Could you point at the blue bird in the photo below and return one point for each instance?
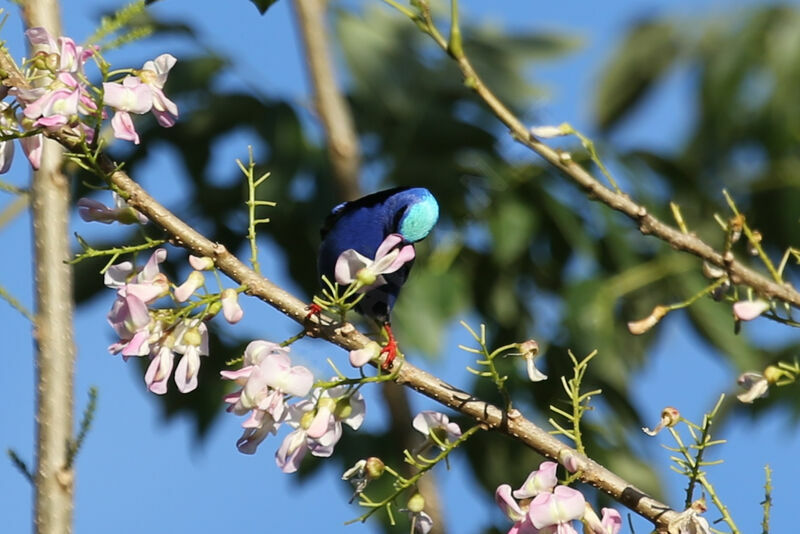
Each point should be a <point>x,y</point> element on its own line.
<point>362,225</point>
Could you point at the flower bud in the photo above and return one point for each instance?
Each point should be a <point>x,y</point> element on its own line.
<point>773,374</point>
<point>548,132</point>
<point>416,503</point>
<point>231,309</point>
<point>192,284</point>
<point>360,357</point>
<point>570,461</point>
<point>747,310</point>
<point>374,468</point>
<point>201,263</point>
<point>643,325</point>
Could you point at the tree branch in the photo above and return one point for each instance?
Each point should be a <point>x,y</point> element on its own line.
<point>55,347</point>
<point>648,224</point>
<point>349,338</point>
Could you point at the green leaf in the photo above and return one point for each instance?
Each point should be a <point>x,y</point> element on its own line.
<point>511,229</point>
<point>263,5</point>
<point>643,57</point>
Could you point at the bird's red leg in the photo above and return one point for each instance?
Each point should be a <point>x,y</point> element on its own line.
<point>390,349</point>
<point>313,309</point>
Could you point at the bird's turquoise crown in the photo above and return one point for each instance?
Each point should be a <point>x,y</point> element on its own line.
<point>420,218</point>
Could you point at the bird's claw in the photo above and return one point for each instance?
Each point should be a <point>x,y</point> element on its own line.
<point>390,350</point>
<point>313,309</point>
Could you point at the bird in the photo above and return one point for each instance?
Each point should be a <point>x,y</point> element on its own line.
<point>362,225</point>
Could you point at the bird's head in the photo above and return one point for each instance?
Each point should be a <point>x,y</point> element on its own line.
<point>419,216</point>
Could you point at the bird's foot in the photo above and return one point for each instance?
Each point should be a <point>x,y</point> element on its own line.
<point>313,309</point>
<point>390,349</point>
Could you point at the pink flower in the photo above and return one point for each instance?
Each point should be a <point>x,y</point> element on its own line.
<point>515,512</point>
<point>93,210</point>
<point>131,95</point>
<point>160,369</point>
<point>541,481</point>
<point>130,320</point>
<point>148,284</point>
<point>611,523</point>
<point>192,342</point>
<point>203,263</point>
<point>129,316</point>
<point>747,310</point>
<point>139,94</point>
<point>266,379</point>
<point>557,509</point>
<point>352,266</point>
<point>361,357</point>
<point>154,74</point>
<point>318,425</point>
<point>54,108</point>
<point>193,282</point>
<point>122,125</point>
<point>298,442</point>
<point>231,309</point>
<point>71,57</point>
<point>436,427</point>
<point>32,146</point>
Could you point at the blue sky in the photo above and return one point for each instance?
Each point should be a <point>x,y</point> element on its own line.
<point>137,473</point>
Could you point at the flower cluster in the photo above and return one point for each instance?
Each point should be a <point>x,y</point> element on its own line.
<point>64,97</point>
<point>140,93</point>
<point>541,505</point>
<point>159,332</point>
<point>268,383</point>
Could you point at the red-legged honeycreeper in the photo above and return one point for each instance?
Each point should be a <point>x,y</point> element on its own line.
<point>362,225</point>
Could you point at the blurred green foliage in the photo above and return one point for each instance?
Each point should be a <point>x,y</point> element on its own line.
<point>516,245</point>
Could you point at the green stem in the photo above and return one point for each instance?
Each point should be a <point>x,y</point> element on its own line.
<point>17,305</point>
<point>403,484</point>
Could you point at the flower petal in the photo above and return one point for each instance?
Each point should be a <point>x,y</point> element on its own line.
<point>347,266</point>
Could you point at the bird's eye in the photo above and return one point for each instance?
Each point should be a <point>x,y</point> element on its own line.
<point>398,218</point>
